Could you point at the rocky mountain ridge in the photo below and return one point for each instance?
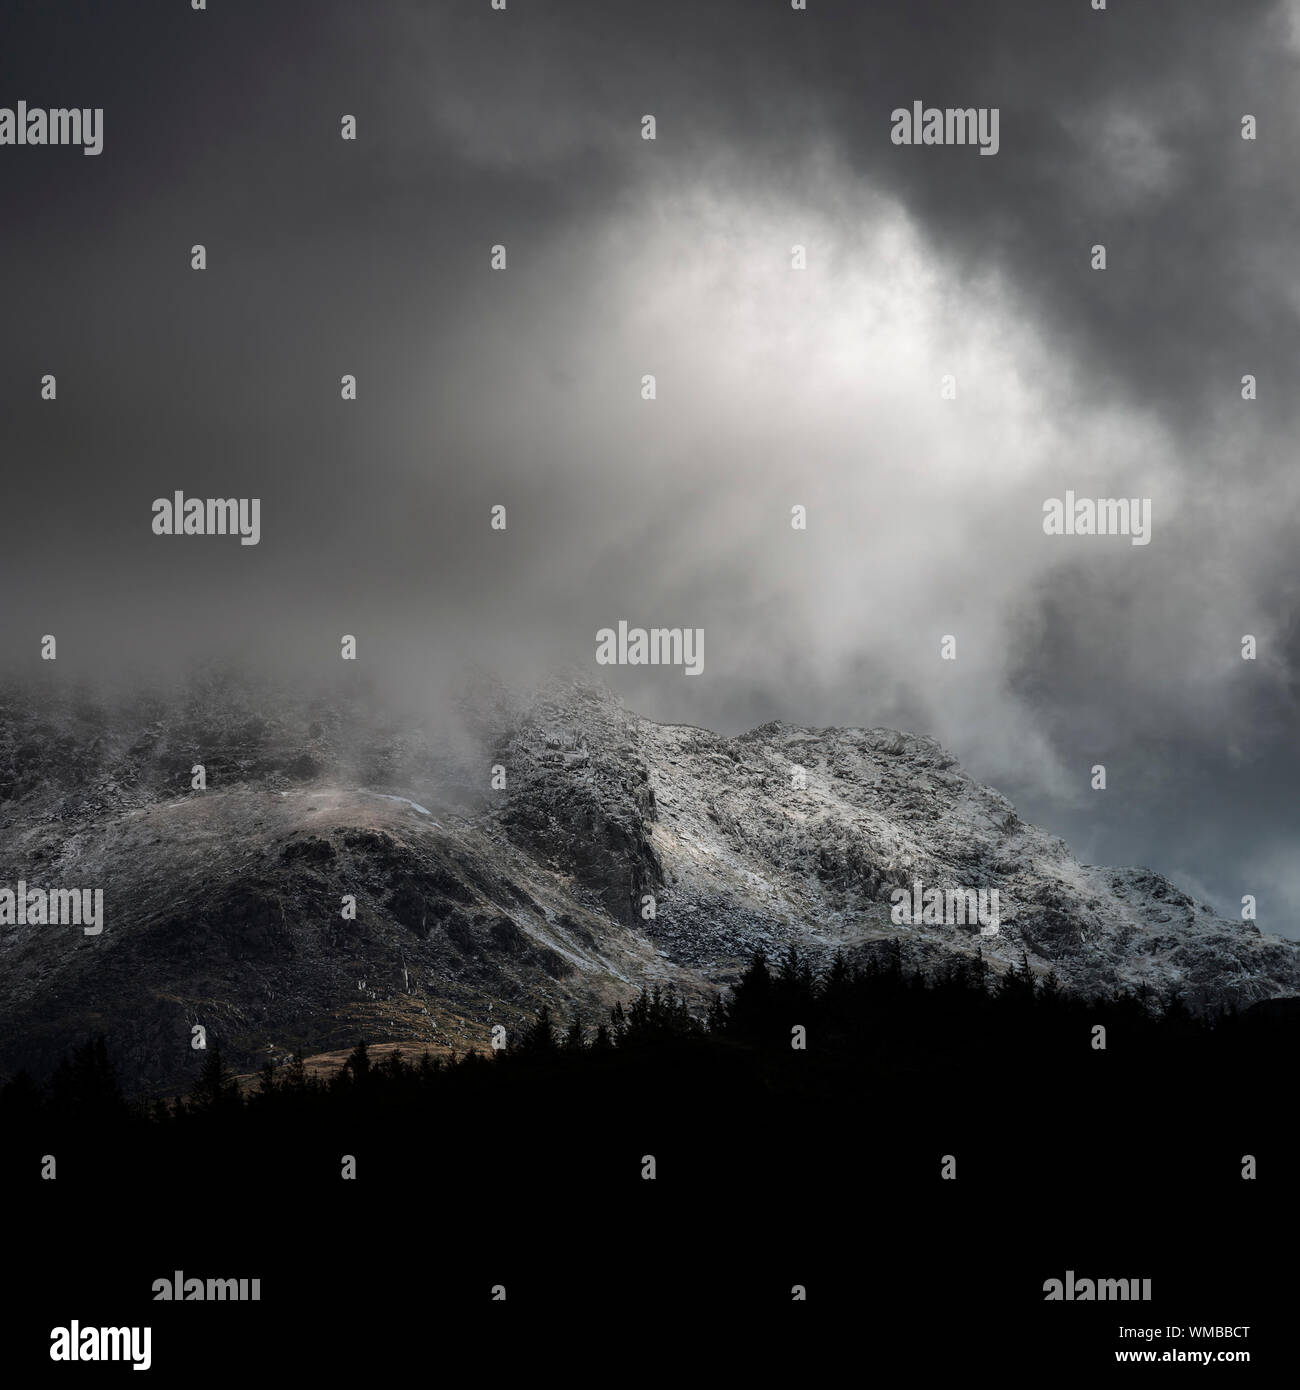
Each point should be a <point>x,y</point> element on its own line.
<point>516,850</point>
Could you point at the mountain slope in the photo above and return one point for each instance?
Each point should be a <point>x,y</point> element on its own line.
<point>474,905</point>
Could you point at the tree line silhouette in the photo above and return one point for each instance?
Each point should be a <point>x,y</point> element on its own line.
<point>793,1027</point>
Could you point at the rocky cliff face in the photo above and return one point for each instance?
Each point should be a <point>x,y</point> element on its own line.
<point>618,852</point>
<point>794,836</point>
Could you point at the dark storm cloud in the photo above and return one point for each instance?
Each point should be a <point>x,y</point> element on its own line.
<point>522,128</point>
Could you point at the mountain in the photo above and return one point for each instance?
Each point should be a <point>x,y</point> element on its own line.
<point>476,903</point>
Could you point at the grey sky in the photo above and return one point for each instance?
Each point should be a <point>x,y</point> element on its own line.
<point>775,387</point>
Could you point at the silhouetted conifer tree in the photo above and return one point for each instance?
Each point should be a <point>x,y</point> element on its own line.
<point>216,1087</point>
<point>358,1064</point>
<point>295,1073</point>
<point>539,1036</point>
<point>617,1022</point>
<point>750,1009</point>
<point>717,1015</point>
<point>1017,983</point>
<point>1049,990</point>
<point>794,975</point>
<point>838,980</point>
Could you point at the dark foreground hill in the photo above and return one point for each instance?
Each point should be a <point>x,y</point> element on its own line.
<point>935,1151</point>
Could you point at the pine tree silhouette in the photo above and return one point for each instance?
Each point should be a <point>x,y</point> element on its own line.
<point>216,1087</point>
<point>717,1015</point>
<point>750,1010</point>
<point>838,980</point>
<point>295,1073</point>
<point>539,1037</point>
<point>794,976</point>
<point>357,1067</point>
<point>1017,984</point>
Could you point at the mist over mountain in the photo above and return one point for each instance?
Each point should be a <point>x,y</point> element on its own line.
<point>649,663</point>
<point>518,847</point>
<point>818,387</point>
